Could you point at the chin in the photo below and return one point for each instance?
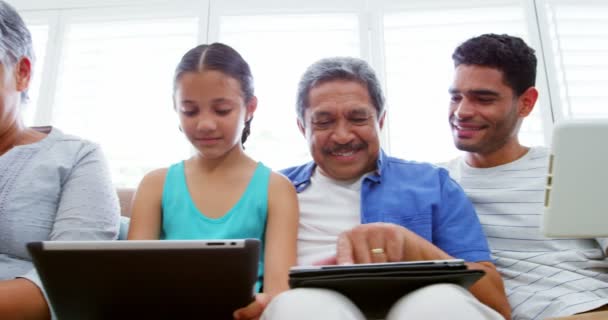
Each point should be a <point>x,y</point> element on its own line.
<point>465,147</point>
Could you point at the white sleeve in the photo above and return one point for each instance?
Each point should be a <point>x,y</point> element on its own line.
<point>88,208</point>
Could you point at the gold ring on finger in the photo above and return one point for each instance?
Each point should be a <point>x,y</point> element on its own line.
<point>377,250</point>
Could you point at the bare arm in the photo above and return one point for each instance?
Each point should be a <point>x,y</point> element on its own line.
<point>401,244</point>
<point>281,234</point>
<point>147,211</point>
<point>22,299</point>
<point>280,250</point>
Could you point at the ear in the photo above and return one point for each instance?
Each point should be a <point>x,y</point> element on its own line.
<point>301,127</point>
<point>381,119</point>
<point>252,105</point>
<point>526,102</point>
<point>23,73</point>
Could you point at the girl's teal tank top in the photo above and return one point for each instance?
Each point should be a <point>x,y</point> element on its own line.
<point>181,220</point>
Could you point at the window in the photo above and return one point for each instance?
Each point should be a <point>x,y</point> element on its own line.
<point>279,48</point>
<point>578,42</point>
<point>418,47</point>
<point>108,65</point>
<point>39,38</point>
<point>115,88</point>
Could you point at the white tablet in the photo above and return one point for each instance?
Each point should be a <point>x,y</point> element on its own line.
<point>576,198</point>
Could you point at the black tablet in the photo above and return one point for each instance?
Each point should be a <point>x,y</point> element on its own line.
<point>375,287</point>
<point>306,271</point>
<point>158,279</point>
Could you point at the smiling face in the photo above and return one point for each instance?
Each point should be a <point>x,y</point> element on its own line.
<point>484,114</point>
<point>342,129</point>
<point>212,111</point>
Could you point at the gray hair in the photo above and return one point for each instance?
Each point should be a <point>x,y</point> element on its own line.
<point>339,68</point>
<point>15,39</point>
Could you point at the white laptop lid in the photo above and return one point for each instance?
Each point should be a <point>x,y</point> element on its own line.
<point>576,197</point>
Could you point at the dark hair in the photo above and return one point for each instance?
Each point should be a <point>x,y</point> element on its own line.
<point>219,57</point>
<point>509,54</point>
<point>15,39</point>
<point>339,68</point>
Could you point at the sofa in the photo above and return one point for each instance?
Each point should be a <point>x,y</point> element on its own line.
<point>125,197</point>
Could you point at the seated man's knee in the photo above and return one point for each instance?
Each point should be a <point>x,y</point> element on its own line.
<point>438,300</point>
<point>440,291</point>
<point>311,303</point>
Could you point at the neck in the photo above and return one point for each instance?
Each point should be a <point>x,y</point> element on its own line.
<point>235,157</point>
<point>504,155</point>
<point>10,136</point>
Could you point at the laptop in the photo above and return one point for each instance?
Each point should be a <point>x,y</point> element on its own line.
<point>151,279</point>
<point>576,195</point>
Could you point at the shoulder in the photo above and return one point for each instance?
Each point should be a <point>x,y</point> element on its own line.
<point>57,137</point>
<point>59,145</point>
<point>279,182</point>
<point>454,167</point>
<point>155,177</point>
<point>452,164</point>
<point>401,168</point>
<point>539,153</point>
<point>402,164</point>
<point>281,194</point>
<point>152,185</point>
<point>301,172</point>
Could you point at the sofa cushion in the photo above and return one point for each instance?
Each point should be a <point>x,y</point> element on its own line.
<point>125,196</point>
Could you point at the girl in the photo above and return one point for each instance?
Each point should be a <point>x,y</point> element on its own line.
<point>220,192</point>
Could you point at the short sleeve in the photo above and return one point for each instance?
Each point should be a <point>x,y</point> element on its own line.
<point>457,230</point>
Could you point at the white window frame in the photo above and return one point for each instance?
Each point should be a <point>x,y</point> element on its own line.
<point>58,14</point>
<point>546,104</point>
<point>35,11</point>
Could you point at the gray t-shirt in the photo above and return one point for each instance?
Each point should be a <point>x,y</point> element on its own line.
<point>56,189</point>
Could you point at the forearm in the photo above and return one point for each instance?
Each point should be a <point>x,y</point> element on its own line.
<point>490,289</point>
<point>22,299</point>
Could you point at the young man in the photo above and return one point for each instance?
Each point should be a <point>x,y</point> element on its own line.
<point>359,206</point>
<point>492,92</point>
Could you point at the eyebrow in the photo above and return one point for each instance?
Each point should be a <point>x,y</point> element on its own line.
<point>217,101</point>
<point>477,92</point>
<point>186,101</point>
<point>360,112</point>
<point>320,114</point>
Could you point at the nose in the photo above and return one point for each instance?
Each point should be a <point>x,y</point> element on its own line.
<point>464,109</point>
<point>342,133</point>
<point>206,124</point>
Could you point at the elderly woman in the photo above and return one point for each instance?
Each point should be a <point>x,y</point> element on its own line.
<point>52,186</point>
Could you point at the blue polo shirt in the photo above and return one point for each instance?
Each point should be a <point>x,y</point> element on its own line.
<point>420,197</point>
